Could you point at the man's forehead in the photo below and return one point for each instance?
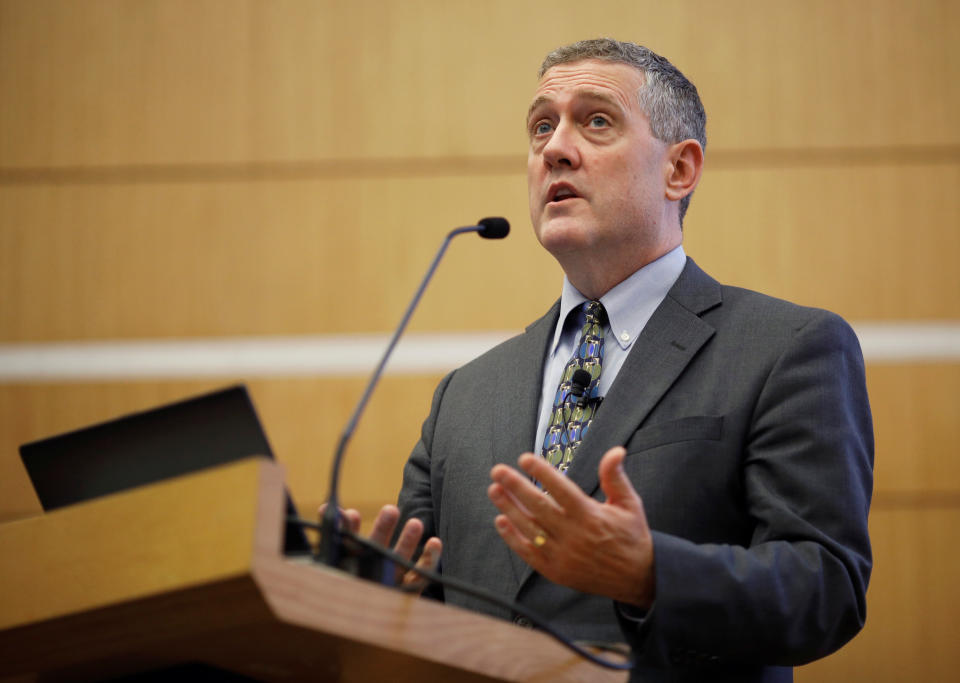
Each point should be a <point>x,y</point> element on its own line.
<point>590,79</point>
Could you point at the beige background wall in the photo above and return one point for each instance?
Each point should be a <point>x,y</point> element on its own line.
<point>188,169</point>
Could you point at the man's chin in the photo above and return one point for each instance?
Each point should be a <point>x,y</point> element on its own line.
<point>561,235</point>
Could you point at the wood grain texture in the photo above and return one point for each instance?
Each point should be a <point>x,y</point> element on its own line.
<point>916,418</point>
<point>372,615</point>
<point>912,604</point>
<point>259,258</point>
<point>111,82</point>
<point>86,556</point>
<point>326,256</point>
<point>835,237</point>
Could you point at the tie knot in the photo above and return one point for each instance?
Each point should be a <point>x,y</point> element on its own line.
<point>595,312</point>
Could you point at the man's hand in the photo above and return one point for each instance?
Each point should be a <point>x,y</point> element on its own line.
<point>601,548</point>
<point>383,527</point>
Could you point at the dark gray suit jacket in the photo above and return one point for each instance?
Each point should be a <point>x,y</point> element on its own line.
<point>750,441</point>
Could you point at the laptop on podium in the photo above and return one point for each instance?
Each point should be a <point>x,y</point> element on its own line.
<point>150,446</point>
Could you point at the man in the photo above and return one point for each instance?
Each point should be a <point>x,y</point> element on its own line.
<point>712,510</point>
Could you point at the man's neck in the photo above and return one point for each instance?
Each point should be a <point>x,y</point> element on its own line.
<point>597,276</point>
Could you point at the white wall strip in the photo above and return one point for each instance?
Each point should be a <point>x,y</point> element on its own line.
<point>240,357</point>
<point>356,355</point>
<point>909,341</point>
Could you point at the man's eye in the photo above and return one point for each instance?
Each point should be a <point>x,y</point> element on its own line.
<point>542,128</point>
<point>598,122</point>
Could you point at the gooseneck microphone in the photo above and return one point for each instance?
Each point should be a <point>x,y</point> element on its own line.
<point>333,549</point>
<point>490,229</point>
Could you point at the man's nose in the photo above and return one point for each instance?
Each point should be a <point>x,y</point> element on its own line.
<point>562,149</point>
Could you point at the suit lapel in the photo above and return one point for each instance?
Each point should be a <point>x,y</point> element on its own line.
<point>517,409</point>
<point>522,376</point>
<point>669,341</point>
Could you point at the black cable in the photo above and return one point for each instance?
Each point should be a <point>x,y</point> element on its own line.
<point>482,594</point>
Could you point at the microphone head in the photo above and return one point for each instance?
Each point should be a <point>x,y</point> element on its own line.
<point>581,379</point>
<point>494,228</point>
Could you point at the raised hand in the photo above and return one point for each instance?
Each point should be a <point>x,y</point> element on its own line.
<point>602,548</point>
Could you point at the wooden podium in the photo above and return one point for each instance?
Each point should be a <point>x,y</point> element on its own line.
<point>189,572</point>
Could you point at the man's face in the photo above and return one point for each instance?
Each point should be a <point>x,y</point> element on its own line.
<point>595,173</point>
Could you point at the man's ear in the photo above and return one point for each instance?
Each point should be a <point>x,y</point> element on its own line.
<point>686,165</point>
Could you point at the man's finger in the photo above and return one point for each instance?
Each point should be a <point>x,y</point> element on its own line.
<point>349,519</point>
<point>614,481</point>
<point>565,494</point>
<point>384,524</point>
<point>409,538</point>
<point>429,559</point>
<point>526,523</point>
<point>515,540</point>
<point>524,492</point>
<point>517,487</point>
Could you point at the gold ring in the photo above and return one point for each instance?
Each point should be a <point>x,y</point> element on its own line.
<point>540,539</point>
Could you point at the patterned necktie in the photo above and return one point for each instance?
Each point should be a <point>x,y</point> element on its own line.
<point>571,417</point>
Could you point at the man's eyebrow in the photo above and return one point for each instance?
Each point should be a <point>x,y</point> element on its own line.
<point>542,99</point>
<point>597,95</point>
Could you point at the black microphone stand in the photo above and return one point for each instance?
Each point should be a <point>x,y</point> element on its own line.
<point>339,547</point>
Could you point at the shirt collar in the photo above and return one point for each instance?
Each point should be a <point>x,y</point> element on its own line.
<point>630,304</point>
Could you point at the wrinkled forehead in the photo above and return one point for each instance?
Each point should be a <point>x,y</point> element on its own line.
<point>615,82</point>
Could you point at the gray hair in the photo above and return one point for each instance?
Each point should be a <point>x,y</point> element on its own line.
<point>669,100</point>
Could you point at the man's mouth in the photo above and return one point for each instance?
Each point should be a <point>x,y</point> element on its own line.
<point>561,192</point>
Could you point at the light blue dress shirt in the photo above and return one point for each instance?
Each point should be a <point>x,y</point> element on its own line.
<point>629,306</point>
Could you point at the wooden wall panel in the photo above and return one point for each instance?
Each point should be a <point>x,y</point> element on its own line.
<point>871,241</point>
<point>100,261</point>
<point>173,259</point>
<point>912,604</point>
<point>916,415</point>
<point>158,82</point>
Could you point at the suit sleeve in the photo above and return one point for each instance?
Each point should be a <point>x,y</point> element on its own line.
<point>797,591</point>
<point>422,482</point>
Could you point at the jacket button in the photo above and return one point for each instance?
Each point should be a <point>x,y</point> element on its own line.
<point>522,621</point>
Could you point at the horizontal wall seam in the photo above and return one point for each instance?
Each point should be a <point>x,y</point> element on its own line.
<point>357,354</point>
<point>924,499</point>
<point>325,169</point>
